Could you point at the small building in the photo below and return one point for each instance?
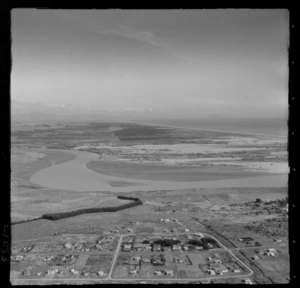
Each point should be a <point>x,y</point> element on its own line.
<point>101,273</point>
<point>156,272</point>
<point>99,247</point>
<point>211,272</point>
<point>176,248</point>
<point>218,261</point>
<point>209,258</point>
<point>17,258</point>
<point>50,272</point>
<point>68,245</point>
<point>146,260</point>
<point>255,257</point>
<point>199,235</point>
<point>137,258</point>
<point>186,230</point>
<point>236,270</point>
<point>127,247</point>
<point>73,271</point>
<point>132,272</point>
<point>138,247</point>
<point>156,247</point>
<point>169,272</point>
<point>247,281</point>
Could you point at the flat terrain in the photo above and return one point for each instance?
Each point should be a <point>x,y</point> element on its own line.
<point>224,193</point>
<point>167,173</point>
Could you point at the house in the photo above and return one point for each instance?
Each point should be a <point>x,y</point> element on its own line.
<point>176,248</point>
<point>99,247</point>
<point>169,272</point>
<point>255,257</point>
<point>210,246</point>
<point>73,271</point>
<point>127,247</point>
<point>137,258</point>
<point>209,258</point>
<point>211,272</point>
<point>68,245</point>
<point>247,281</point>
<point>272,250</point>
<point>220,268</point>
<point>39,274</point>
<point>185,248</point>
<point>147,247</point>
<point>146,260</point>
<point>101,273</point>
<point>186,230</point>
<point>17,258</point>
<point>133,272</point>
<point>157,272</point>
<point>50,272</point>
<point>158,261</point>
<point>199,235</point>
<point>156,247</point>
<point>235,270</point>
<point>138,247</point>
<point>218,261</point>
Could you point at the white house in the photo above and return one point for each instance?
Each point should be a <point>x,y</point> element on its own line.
<point>211,272</point>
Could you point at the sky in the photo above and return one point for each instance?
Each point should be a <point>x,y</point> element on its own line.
<point>152,63</point>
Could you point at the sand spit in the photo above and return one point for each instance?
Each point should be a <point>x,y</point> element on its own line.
<point>75,176</point>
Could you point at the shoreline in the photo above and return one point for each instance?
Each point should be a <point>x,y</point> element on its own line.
<point>213,130</point>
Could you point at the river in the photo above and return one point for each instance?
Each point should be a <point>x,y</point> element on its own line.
<point>75,176</point>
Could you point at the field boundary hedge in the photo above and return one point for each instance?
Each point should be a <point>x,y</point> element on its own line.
<point>62,215</point>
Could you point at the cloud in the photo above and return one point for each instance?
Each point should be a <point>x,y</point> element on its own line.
<point>147,37</point>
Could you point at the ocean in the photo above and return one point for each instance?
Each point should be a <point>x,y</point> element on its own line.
<point>275,127</point>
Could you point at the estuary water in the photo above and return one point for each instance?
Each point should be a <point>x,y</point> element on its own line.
<point>75,176</point>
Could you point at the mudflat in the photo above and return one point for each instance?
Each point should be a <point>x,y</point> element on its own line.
<point>74,175</point>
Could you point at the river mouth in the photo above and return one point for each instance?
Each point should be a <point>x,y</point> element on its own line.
<point>74,175</point>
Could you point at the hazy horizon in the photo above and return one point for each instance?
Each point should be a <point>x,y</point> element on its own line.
<point>155,64</point>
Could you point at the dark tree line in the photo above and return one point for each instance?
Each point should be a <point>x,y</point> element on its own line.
<point>62,215</point>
